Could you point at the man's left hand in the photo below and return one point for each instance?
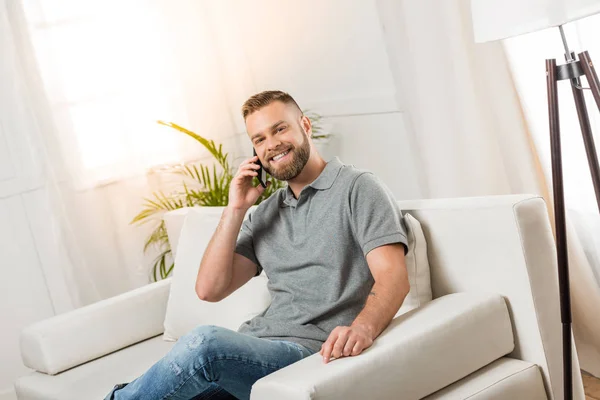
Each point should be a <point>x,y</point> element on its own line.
<point>346,341</point>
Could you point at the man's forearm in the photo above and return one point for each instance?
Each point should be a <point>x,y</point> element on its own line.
<point>214,274</point>
<point>383,302</point>
<point>388,267</point>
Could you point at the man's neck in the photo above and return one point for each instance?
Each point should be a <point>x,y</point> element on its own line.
<point>311,171</point>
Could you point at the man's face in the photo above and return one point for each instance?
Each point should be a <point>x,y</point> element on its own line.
<point>279,139</point>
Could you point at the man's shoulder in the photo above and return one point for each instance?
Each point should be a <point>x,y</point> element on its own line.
<point>350,175</point>
<point>359,181</point>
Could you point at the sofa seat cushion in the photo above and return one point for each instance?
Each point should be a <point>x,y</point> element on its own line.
<point>505,378</point>
<point>94,379</point>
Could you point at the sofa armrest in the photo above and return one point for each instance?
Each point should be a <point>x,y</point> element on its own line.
<point>73,338</point>
<point>419,353</point>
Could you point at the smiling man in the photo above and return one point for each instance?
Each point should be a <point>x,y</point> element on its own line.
<point>332,244</point>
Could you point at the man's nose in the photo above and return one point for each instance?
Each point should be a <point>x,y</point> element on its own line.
<point>273,143</point>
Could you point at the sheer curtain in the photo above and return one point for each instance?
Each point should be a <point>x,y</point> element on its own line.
<point>476,134</point>
<point>99,75</point>
<point>469,130</point>
<point>527,54</point>
<point>109,73</point>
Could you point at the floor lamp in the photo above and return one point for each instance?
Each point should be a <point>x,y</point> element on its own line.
<point>500,19</point>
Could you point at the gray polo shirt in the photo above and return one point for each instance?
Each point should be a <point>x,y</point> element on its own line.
<point>313,251</point>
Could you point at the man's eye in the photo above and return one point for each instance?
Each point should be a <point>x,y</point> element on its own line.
<point>280,129</point>
<point>258,141</point>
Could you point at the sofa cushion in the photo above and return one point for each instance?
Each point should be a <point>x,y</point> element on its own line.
<point>417,265</point>
<point>94,379</point>
<point>184,309</point>
<point>505,378</point>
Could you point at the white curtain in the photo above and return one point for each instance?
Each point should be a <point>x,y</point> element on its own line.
<point>527,56</point>
<point>468,127</point>
<point>473,134</point>
<point>98,75</point>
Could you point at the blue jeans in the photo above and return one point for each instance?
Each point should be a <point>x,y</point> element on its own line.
<point>211,362</point>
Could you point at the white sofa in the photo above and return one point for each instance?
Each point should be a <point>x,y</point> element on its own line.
<point>492,331</point>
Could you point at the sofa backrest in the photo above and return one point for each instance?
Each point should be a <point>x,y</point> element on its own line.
<point>174,223</point>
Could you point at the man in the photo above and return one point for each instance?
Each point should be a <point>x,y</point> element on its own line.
<point>332,245</point>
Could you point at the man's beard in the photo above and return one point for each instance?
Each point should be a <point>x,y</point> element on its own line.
<point>293,168</point>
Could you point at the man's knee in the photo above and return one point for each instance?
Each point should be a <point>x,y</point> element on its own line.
<point>198,348</point>
<point>194,350</point>
<point>205,340</point>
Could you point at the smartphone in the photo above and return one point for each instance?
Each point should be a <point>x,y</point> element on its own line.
<point>262,174</point>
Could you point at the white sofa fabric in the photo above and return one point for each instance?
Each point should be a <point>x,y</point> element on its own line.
<point>417,265</point>
<point>505,378</point>
<point>67,340</point>
<point>419,353</point>
<point>497,244</point>
<point>93,380</point>
<point>191,229</point>
<point>505,245</point>
<point>414,345</point>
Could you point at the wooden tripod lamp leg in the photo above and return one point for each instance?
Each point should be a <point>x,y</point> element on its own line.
<point>588,139</point>
<point>561,232</point>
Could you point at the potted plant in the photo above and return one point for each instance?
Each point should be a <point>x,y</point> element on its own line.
<point>200,186</point>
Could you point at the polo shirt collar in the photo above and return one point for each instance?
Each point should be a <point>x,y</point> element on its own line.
<point>323,182</point>
<point>327,177</point>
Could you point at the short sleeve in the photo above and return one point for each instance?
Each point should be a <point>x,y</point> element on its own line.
<point>245,243</point>
<point>375,216</point>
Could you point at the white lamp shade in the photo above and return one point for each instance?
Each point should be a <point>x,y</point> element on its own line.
<point>500,19</point>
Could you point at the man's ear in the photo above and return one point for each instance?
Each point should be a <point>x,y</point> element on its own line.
<point>306,125</point>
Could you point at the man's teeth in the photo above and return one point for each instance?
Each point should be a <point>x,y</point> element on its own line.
<point>277,157</point>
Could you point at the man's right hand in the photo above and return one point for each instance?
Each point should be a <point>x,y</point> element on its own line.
<point>242,194</point>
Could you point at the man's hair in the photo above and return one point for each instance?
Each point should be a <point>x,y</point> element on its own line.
<point>265,98</point>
